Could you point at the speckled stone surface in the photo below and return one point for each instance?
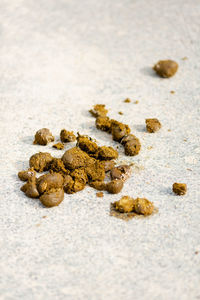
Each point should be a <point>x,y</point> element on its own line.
<point>57,59</point>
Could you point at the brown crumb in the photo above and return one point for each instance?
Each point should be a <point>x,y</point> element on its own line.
<point>150,147</point>
<point>43,137</point>
<point>179,188</point>
<point>196,252</point>
<point>185,140</point>
<point>58,146</point>
<point>98,110</point>
<point>37,225</point>
<point>184,58</point>
<point>40,161</point>
<point>153,125</point>
<point>44,217</point>
<point>136,102</point>
<point>169,130</point>
<point>166,68</point>
<point>100,194</point>
<point>120,113</point>
<point>127,100</point>
<point>189,169</point>
<point>172,92</point>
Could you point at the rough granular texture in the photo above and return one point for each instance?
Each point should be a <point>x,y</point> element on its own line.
<point>67,136</point>
<point>80,179</point>
<point>30,188</point>
<point>74,158</point>
<point>103,123</point>
<point>125,204</point>
<point>100,194</point>
<point>86,144</point>
<point>128,138</point>
<point>132,147</point>
<point>43,137</point>
<point>98,185</point>
<point>107,153</point>
<point>140,206</point>
<point>166,68</point>
<point>143,206</point>
<point>153,125</point>
<point>95,169</point>
<point>179,188</point>
<point>25,175</point>
<point>58,146</point>
<point>52,197</point>
<point>127,100</point>
<point>98,110</point>
<point>114,186</point>
<point>122,172</point>
<point>40,161</point>
<point>48,181</point>
<point>68,184</point>
<point>58,166</point>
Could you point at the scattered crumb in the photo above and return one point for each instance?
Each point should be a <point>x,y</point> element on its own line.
<point>127,100</point>
<point>150,147</point>
<point>120,113</point>
<point>169,130</point>
<point>100,194</point>
<point>185,140</point>
<point>184,58</point>
<point>58,146</point>
<point>196,252</point>
<point>166,68</point>
<point>153,125</point>
<point>172,92</point>
<point>189,169</point>
<point>179,188</point>
<point>44,217</point>
<point>37,225</point>
<point>136,102</point>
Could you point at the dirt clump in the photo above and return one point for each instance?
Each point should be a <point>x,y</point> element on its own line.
<point>153,125</point>
<point>103,123</point>
<point>52,197</point>
<point>108,165</point>
<point>125,204</point>
<point>40,161</point>
<point>115,186</point>
<point>179,188</point>
<point>100,194</point>
<point>67,136</point>
<point>86,144</point>
<point>122,172</point>
<point>74,158</point>
<point>132,147</point>
<point>43,137</point>
<point>58,166</point>
<point>127,100</point>
<point>107,153</point>
<point>140,206</point>
<point>166,68</point>
<point>98,185</point>
<point>30,188</point>
<point>25,175</point>
<point>49,181</point>
<point>98,110</point>
<point>58,146</point>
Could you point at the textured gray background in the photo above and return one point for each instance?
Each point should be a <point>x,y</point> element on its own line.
<point>57,59</point>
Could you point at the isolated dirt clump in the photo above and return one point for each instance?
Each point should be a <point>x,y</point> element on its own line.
<point>67,136</point>
<point>153,125</point>
<point>25,175</point>
<point>58,146</point>
<point>140,206</point>
<point>98,110</point>
<point>43,137</point>
<point>179,188</point>
<point>166,68</point>
<point>40,161</point>
<point>100,194</point>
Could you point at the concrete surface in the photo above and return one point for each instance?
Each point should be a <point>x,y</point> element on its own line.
<point>57,59</point>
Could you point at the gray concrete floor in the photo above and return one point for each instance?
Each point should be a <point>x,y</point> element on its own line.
<point>57,59</point>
